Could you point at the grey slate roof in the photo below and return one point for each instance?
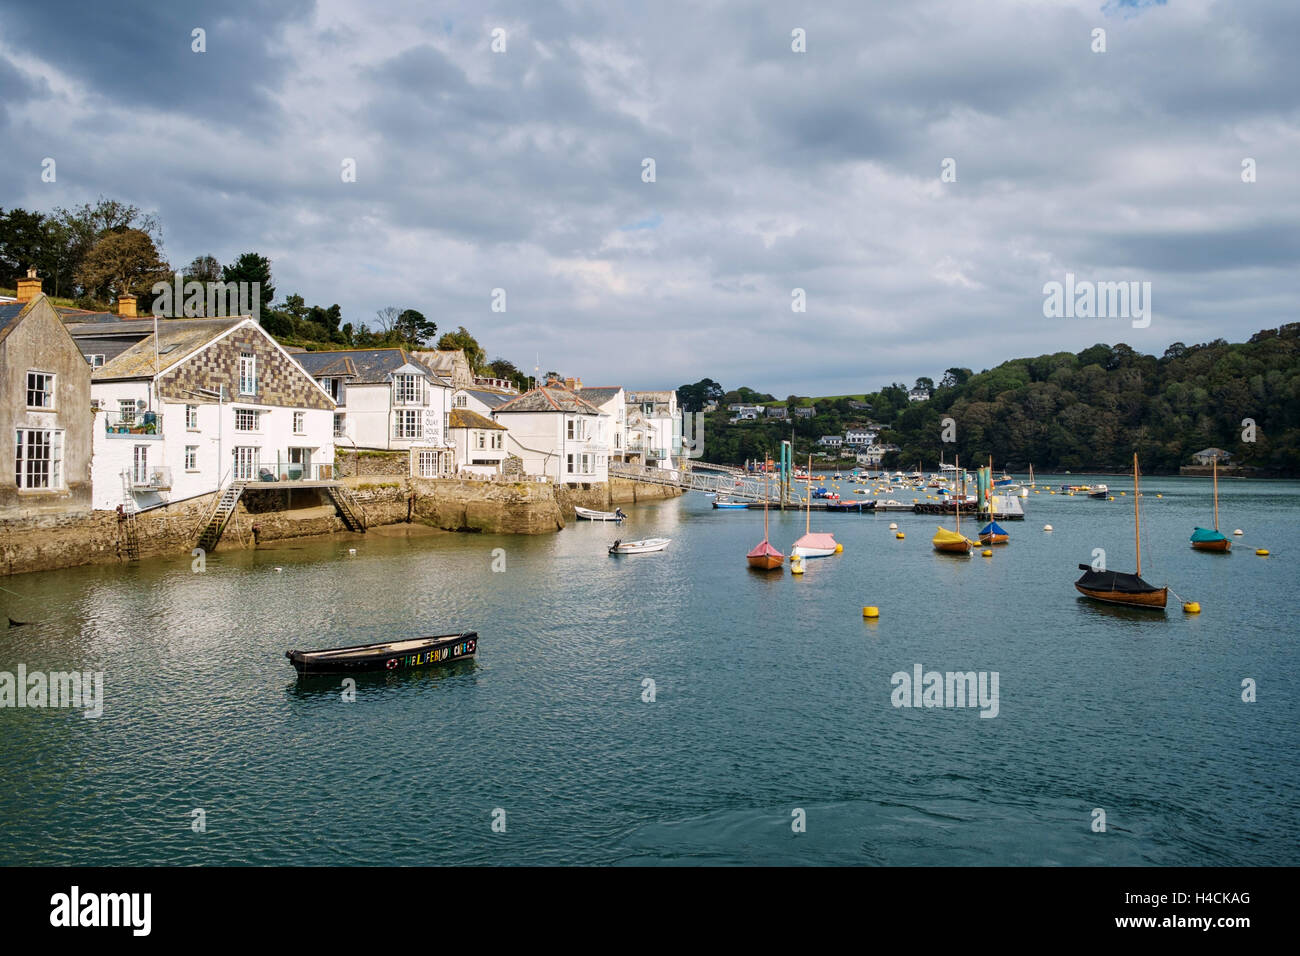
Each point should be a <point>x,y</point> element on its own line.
<point>8,312</point>
<point>490,399</point>
<point>598,394</point>
<point>362,366</point>
<point>549,398</point>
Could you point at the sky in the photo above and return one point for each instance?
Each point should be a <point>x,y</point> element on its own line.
<point>775,169</point>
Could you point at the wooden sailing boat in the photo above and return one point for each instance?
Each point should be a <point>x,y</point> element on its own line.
<point>1116,587</point>
<point>765,557</point>
<point>813,545</point>
<point>1203,539</point>
<point>953,542</point>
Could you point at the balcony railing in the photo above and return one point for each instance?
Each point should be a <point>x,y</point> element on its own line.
<point>152,479</point>
<point>135,426</point>
<point>286,470</point>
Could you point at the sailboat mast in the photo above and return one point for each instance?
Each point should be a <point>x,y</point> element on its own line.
<point>962,490</point>
<point>767,482</point>
<point>1137,516</point>
<point>807,522</point>
<point>1215,459</point>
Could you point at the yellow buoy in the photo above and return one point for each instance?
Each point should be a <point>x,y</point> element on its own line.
<point>1192,607</point>
<point>987,554</point>
<point>796,564</point>
<point>1159,496</point>
<point>1262,552</point>
<point>899,536</point>
<point>839,548</point>
<point>1111,498</point>
<point>871,611</point>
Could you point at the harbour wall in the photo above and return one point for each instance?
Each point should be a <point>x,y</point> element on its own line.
<point>263,515</point>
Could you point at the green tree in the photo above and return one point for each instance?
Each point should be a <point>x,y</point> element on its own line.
<point>250,267</point>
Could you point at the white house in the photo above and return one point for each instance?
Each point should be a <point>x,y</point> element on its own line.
<point>480,443</point>
<point>860,436</point>
<point>612,401</point>
<point>831,441</point>
<point>662,438</point>
<point>202,403</point>
<point>558,434</point>
<point>387,400</point>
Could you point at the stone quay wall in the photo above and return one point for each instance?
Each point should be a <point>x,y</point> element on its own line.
<point>265,514</point>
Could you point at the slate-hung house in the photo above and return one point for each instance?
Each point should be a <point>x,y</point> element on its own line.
<point>389,401</point>
<point>202,403</point>
<point>45,423</point>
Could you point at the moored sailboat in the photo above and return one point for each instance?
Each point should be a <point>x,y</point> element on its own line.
<point>1117,587</point>
<point>812,545</point>
<point>1206,539</point>
<point>953,542</point>
<point>764,556</point>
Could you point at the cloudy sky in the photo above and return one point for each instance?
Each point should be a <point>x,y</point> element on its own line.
<point>774,169</point>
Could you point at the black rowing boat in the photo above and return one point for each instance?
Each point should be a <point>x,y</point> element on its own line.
<point>386,655</point>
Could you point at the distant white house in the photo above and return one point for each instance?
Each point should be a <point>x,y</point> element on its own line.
<point>918,394</point>
<point>387,400</point>
<point>831,441</point>
<point>860,436</point>
<point>204,403</point>
<point>1208,456</point>
<point>804,411</point>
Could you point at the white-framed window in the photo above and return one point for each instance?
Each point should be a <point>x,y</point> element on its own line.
<point>586,464</point>
<point>569,463</point>
<point>570,429</point>
<point>192,417</point>
<point>299,422</point>
<point>245,462</point>
<point>481,438</point>
<point>408,389</point>
<point>462,401</point>
<point>40,390</point>
<point>428,462</point>
<point>496,440</point>
<point>340,426</point>
<point>191,457</point>
<point>247,373</point>
<point>407,423</point>
<point>126,410</point>
<point>246,419</point>
<point>96,360</point>
<point>335,388</point>
<point>38,459</point>
<point>140,465</point>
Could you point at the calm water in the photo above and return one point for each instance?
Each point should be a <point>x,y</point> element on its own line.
<point>772,693</point>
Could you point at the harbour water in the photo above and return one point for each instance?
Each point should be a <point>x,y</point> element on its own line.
<point>771,694</point>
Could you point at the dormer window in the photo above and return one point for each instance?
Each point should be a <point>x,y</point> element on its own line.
<point>408,389</point>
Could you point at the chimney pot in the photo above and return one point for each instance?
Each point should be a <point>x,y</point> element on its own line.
<point>29,287</point>
<point>126,305</point>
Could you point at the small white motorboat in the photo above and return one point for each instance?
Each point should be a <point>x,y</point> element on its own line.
<point>643,546</point>
<point>588,514</point>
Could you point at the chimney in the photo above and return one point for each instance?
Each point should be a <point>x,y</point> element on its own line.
<point>573,384</point>
<point>126,305</point>
<point>552,380</point>
<point>30,287</point>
